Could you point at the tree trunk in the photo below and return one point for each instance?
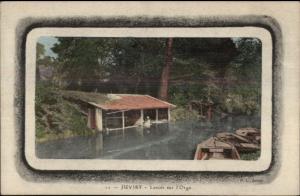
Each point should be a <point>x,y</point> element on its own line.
<point>137,84</point>
<point>209,113</point>
<point>163,94</point>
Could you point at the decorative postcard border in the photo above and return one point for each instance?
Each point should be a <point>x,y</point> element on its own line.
<point>34,174</point>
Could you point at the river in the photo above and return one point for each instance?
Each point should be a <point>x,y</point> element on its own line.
<point>173,141</point>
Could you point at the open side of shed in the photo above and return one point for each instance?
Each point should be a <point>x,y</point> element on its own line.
<point>121,111</point>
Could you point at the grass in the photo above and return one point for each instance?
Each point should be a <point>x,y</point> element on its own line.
<point>250,156</point>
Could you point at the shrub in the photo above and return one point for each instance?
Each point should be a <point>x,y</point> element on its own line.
<point>250,156</point>
<point>55,117</point>
<point>181,113</point>
<point>40,130</point>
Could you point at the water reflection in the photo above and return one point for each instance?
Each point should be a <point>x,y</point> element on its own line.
<point>162,141</point>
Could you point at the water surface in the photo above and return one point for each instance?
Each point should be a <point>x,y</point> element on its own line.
<point>165,141</point>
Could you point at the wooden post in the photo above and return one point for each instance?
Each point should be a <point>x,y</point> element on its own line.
<point>169,114</point>
<point>156,115</point>
<point>89,118</point>
<point>98,119</point>
<point>123,120</point>
<point>142,117</point>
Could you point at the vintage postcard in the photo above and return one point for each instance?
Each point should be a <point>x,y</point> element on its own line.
<point>149,102</point>
<point>149,94</point>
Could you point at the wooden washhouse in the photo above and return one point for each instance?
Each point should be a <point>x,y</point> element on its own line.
<point>120,111</point>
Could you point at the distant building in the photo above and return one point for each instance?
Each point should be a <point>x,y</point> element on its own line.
<point>120,111</point>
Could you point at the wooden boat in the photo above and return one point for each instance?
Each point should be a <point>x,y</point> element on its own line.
<point>242,144</point>
<point>213,148</point>
<point>250,133</point>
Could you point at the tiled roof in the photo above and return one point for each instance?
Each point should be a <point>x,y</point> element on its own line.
<point>127,102</point>
<point>119,101</point>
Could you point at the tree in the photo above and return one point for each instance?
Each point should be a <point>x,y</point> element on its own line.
<point>247,64</point>
<point>179,70</point>
<point>199,67</point>
<point>115,65</point>
<point>166,71</point>
<point>138,64</point>
<point>40,53</point>
<point>245,70</point>
<point>81,61</point>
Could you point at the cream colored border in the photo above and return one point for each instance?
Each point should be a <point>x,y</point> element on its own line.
<point>282,179</point>
<point>179,165</point>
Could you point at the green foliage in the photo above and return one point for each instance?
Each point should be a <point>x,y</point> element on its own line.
<point>40,129</point>
<point>181,113</point>
<point>80,57</point>
<point>241,100</point>
<point>46,93</point>
<point>56,117</point>
<point>244,93</point>
<point>218,70</point>
<point>178,98</point>
<point>234,103</point>
<point>221,71</point>
<point>124,63</point>
<point>75,121</point>
<point>250,156</point>
<point>247,64</point>
<point>216,52</point>
<point>233,87</point>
